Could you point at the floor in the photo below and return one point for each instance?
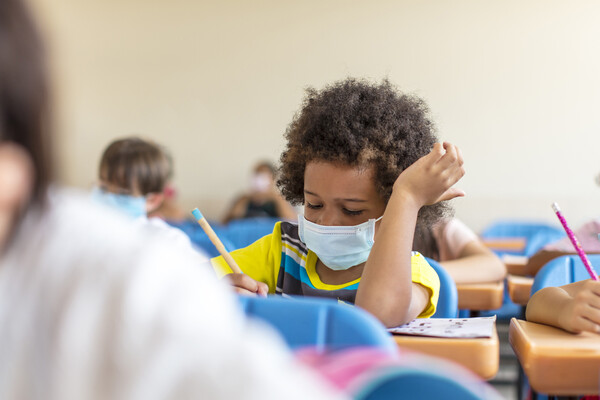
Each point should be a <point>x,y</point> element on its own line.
<point>508,373</point>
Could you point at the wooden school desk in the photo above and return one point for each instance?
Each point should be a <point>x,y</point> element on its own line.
<point>555,361</point>
<point>519,288</point>
<point>480,355</point>
<point>480,296</point>
<point>514,244</point>
<point>515,265</point>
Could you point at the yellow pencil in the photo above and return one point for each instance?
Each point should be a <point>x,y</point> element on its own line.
<point>216,241</point>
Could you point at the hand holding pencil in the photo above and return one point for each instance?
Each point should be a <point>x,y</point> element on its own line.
<point>243,283</point>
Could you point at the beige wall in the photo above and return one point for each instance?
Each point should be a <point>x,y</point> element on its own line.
<point>516,84</point>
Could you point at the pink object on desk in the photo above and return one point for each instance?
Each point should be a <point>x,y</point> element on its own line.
<point>571,235</point>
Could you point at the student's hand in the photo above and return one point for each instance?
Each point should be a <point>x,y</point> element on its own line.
<point>582,313</point>
<point>430,179</point>
<point>245,285</point>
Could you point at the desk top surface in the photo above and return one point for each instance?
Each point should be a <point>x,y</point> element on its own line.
<point>557,362</point>
<point>480,355</point>
<point>480,296</point>
<point>519,288</point>
<point>516,244</point>
<point>515,265</point>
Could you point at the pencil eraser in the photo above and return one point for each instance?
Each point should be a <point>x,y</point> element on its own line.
<point>197,214</point>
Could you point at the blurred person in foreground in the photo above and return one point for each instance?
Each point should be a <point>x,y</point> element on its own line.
<point>88,309</point>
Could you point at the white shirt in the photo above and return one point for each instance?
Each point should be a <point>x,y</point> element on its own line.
<point>91,310</point>
<point>173,236</point>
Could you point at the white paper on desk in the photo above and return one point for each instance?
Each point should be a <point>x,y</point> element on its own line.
<point>480,327</point>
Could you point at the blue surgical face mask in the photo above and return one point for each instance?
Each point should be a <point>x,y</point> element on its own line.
<point>134,206</point>
<point>338,247</point>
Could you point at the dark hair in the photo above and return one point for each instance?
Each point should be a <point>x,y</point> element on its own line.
<point>266,165</point>
<point>357,123</point>
<point>24,92</point>
<point>424,242</point>
<point>134,163</point>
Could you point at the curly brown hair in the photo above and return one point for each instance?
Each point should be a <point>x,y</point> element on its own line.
<point>356,123</point>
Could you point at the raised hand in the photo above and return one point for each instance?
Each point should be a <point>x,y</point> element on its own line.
<point>431,178</point>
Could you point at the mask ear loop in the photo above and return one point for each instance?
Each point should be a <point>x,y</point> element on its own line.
<point>375,227</point>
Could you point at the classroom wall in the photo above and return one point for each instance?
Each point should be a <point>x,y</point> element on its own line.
<point>515,84</point>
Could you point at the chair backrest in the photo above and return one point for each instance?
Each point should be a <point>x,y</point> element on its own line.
<point>433,380</point>
<point>563,270</point>
<point>536,234</point>
<point>200,239</point>
<point>447,306</point>
<point>244,232</point>
<point>321,323</point>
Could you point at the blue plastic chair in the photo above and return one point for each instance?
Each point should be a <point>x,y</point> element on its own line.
<point>447,306</point>
<point>433,380</point>
<point>200,239</point>
<point>536,234</point>
<point>244,232</point>
<point>563,270</point>
<point>321,323</point>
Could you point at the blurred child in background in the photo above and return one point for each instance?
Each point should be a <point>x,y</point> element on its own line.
<point>133,174</point>
<point>262,199</point>
<point>460,251</point>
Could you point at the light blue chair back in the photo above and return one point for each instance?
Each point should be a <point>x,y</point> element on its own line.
<point>537,234</point>
<point>201,240</point>
<point>434,380</point>
<point>321,323</point>
<point>244,232</point>
<point>447,306</point>
<point>564,270</point>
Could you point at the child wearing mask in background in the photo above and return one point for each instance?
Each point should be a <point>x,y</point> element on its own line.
<point>263,200</point>
<point>133,174</point>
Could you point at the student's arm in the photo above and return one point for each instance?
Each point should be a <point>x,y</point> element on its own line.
<point>475,263</point>
<point>574,307</point>
<point>419,300</point>
<point>386,289</point>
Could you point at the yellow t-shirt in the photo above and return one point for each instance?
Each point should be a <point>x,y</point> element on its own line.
<point>284,263</point>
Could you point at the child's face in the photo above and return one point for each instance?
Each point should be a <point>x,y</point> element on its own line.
<point>16,186</point>
<point>109,187</point>
<point>340,195</point>
<point>128,201</point>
